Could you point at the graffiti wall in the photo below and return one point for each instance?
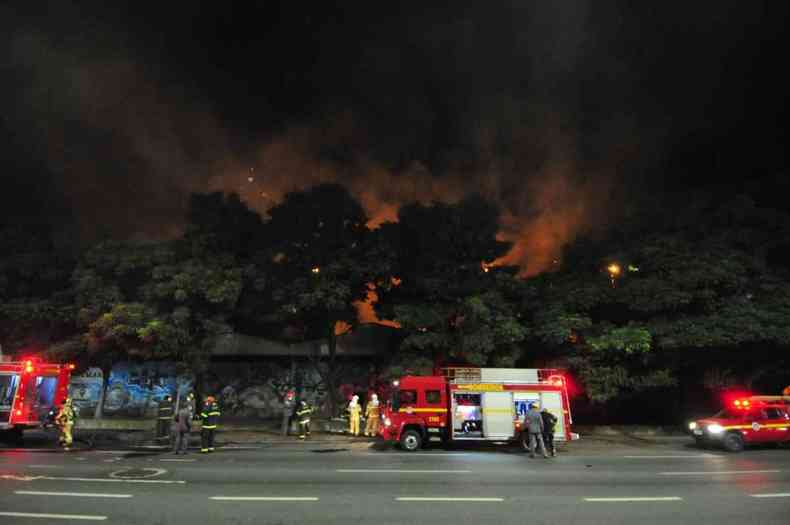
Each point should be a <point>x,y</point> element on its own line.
<point>134,389</point>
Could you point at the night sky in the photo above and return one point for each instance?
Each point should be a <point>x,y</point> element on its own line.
<point>564,112</point>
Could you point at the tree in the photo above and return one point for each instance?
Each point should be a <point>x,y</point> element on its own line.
<point>321,262</point>
<point>658,297</point>
<point>452,304</point>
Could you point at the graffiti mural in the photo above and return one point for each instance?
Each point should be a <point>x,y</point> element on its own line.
<point>134,389</point>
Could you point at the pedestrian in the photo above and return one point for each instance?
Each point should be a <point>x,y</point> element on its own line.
<point>534,423</point>
<point>65,422</point>
<point>164,417</point>
<point>354,412</point>
<point>303,416</point>
<point>288,410</point>
<point>183,427</point>
<point>549,425</point>
<point>210,418</point>
<point>372,416</point>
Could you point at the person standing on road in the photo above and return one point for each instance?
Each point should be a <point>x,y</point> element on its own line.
<point>549,425</point>
<point>65,422</point>
<point>354,412</point>
<point>372,416</point>
<point>288,410</point>
<point>164,417</point>
<point>183,427</point>
<point>534,423</point>
<point>303,416</point>
<point>210,418</point>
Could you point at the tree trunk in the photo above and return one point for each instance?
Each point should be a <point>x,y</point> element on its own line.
<point>331,370</point>
<point>105,382</point>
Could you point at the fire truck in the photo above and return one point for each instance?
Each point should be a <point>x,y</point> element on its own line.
<point>473,404</point>
<point>751,420</point>
<point>29,390</point>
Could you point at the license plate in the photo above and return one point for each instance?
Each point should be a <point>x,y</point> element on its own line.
<point>698,432</point>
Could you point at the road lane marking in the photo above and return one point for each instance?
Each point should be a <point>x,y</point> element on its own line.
<point>719,472</point>
<point>637,499</point>
<point>108,480</point>
<point>777,495</point>
<point>53,516</point>
<point>695,456</point>
<point>179,460</point>
<point>71,494</point>
<point>479,500</point>
<point>394,471</point>
<point>44,466</point>
<point>263,498</point>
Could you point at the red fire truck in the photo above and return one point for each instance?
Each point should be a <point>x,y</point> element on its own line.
<point>751,420</point>
<point>29,390</point>
<point>473,404</point>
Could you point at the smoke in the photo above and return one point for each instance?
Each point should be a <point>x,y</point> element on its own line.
<point>490,104</point>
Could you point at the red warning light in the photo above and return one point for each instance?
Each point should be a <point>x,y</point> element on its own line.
<point>29,367</point>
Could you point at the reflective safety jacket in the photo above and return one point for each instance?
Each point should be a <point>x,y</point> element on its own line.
<point>165,410</point>
<point>372,410</point>
<point>210,415</point>
<point>66,416</point>
<point>303,413</point>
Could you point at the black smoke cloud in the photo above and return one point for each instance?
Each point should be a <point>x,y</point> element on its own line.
<point>563,112</point>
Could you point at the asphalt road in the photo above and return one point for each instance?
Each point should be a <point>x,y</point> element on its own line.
<point>325,483</point>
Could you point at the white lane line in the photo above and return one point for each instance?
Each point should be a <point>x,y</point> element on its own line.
<point>394,471</point>
<point>719,472</point>
<point>696,456</point>
<point>45,466</point>
<point>53,516</point>
<point>479,500</point>
<point>627,500</point>
<point>777,495</point>
<point>113,480</point>
<point>263,498</point>
<point>71,494</point>
<point>179,460</point>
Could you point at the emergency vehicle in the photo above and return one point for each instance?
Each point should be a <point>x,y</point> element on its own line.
<point>29,390</point>
<point>473,404</point>
<point>745,421</point>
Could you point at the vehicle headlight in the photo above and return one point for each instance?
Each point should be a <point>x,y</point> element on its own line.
<point>715,429</point>
<point>387,422</point>
<point>692,425</point>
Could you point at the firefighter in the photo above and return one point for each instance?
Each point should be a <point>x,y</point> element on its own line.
<point>288,410</point>
<point>372,416</point>
<point>534,423</point>
<point>164,417</point>
<point>210,418</point>
<point>549,425</point>
<point>303,416</point>
<point>65,421</point>
<point>354,412</point>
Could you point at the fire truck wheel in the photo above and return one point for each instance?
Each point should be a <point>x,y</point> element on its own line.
<point>411,440</point>
<point>733,442</point>
<point>12,437</point>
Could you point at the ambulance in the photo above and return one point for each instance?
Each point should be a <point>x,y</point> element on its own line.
<point>473,404</point>
<point>30,390</point>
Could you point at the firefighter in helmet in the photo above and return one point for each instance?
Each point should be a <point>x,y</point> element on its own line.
<point>354,412</point>
<point>65,422</point>
<point>372,416</point>
<point>303,416</point>
<point>210,419</point>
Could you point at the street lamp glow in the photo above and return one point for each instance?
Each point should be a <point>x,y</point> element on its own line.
<point>614,269</point>
<point>316,269</point>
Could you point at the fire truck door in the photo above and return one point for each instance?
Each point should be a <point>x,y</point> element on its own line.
<point>8,385</point>
<point>552,401</point>
<point>498,414</point>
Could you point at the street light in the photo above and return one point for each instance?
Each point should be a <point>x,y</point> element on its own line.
<point>614,272</point>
